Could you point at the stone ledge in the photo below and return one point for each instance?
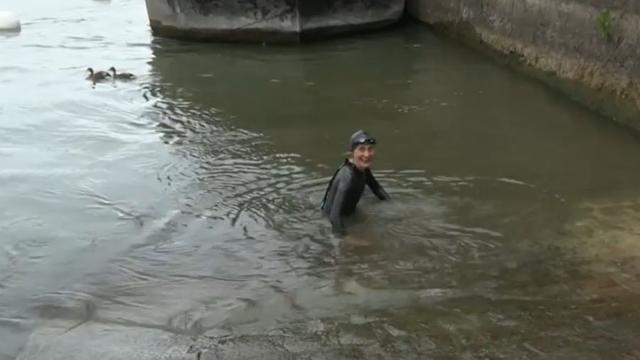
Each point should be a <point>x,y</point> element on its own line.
<point>560,42</point>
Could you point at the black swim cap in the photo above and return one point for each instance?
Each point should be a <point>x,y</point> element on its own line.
<point>360,137</point>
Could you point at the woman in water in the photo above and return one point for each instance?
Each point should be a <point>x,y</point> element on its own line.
<point>347,184</point>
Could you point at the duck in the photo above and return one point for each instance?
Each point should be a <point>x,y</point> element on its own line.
<point>121,76</point>
<point>98,75</point>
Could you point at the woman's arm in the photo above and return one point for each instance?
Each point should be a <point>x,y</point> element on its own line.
<point>377,189</point>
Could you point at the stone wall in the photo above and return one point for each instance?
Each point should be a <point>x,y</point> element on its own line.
<point>588,48</point>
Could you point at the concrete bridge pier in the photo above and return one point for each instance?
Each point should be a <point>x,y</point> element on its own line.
<point>268,20</point>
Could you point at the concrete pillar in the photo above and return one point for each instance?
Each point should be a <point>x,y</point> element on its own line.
<point>268,20</point>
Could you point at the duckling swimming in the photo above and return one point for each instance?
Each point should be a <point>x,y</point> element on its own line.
<point>97,76</point>
<point>121,76</point>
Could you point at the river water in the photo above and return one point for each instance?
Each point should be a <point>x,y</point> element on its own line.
<point>178,213</point>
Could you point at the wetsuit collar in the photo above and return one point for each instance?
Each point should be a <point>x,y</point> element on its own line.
<point>353,166</point>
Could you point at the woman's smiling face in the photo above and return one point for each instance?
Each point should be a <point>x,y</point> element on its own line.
<point>363,156</point>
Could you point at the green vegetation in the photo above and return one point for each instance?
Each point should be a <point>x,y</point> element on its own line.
<point>605,23</point>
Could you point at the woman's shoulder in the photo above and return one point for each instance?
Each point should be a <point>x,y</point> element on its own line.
<point>345,170</point>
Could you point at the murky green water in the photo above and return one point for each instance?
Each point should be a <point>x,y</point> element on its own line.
<point>179,213</point>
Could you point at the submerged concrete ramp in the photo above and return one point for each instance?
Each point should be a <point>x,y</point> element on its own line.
<point>312,340</point>
<point>268,20</point>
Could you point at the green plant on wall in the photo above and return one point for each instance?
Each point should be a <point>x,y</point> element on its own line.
<point>605,24</point>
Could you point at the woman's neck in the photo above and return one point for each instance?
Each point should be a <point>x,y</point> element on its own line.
<point>353,165</point>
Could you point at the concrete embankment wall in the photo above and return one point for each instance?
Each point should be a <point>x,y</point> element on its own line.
<point>588,48</point>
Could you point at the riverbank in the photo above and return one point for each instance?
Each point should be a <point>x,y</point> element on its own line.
<point>588,49</point>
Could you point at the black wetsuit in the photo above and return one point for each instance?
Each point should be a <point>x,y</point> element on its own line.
<point>344,192</point>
